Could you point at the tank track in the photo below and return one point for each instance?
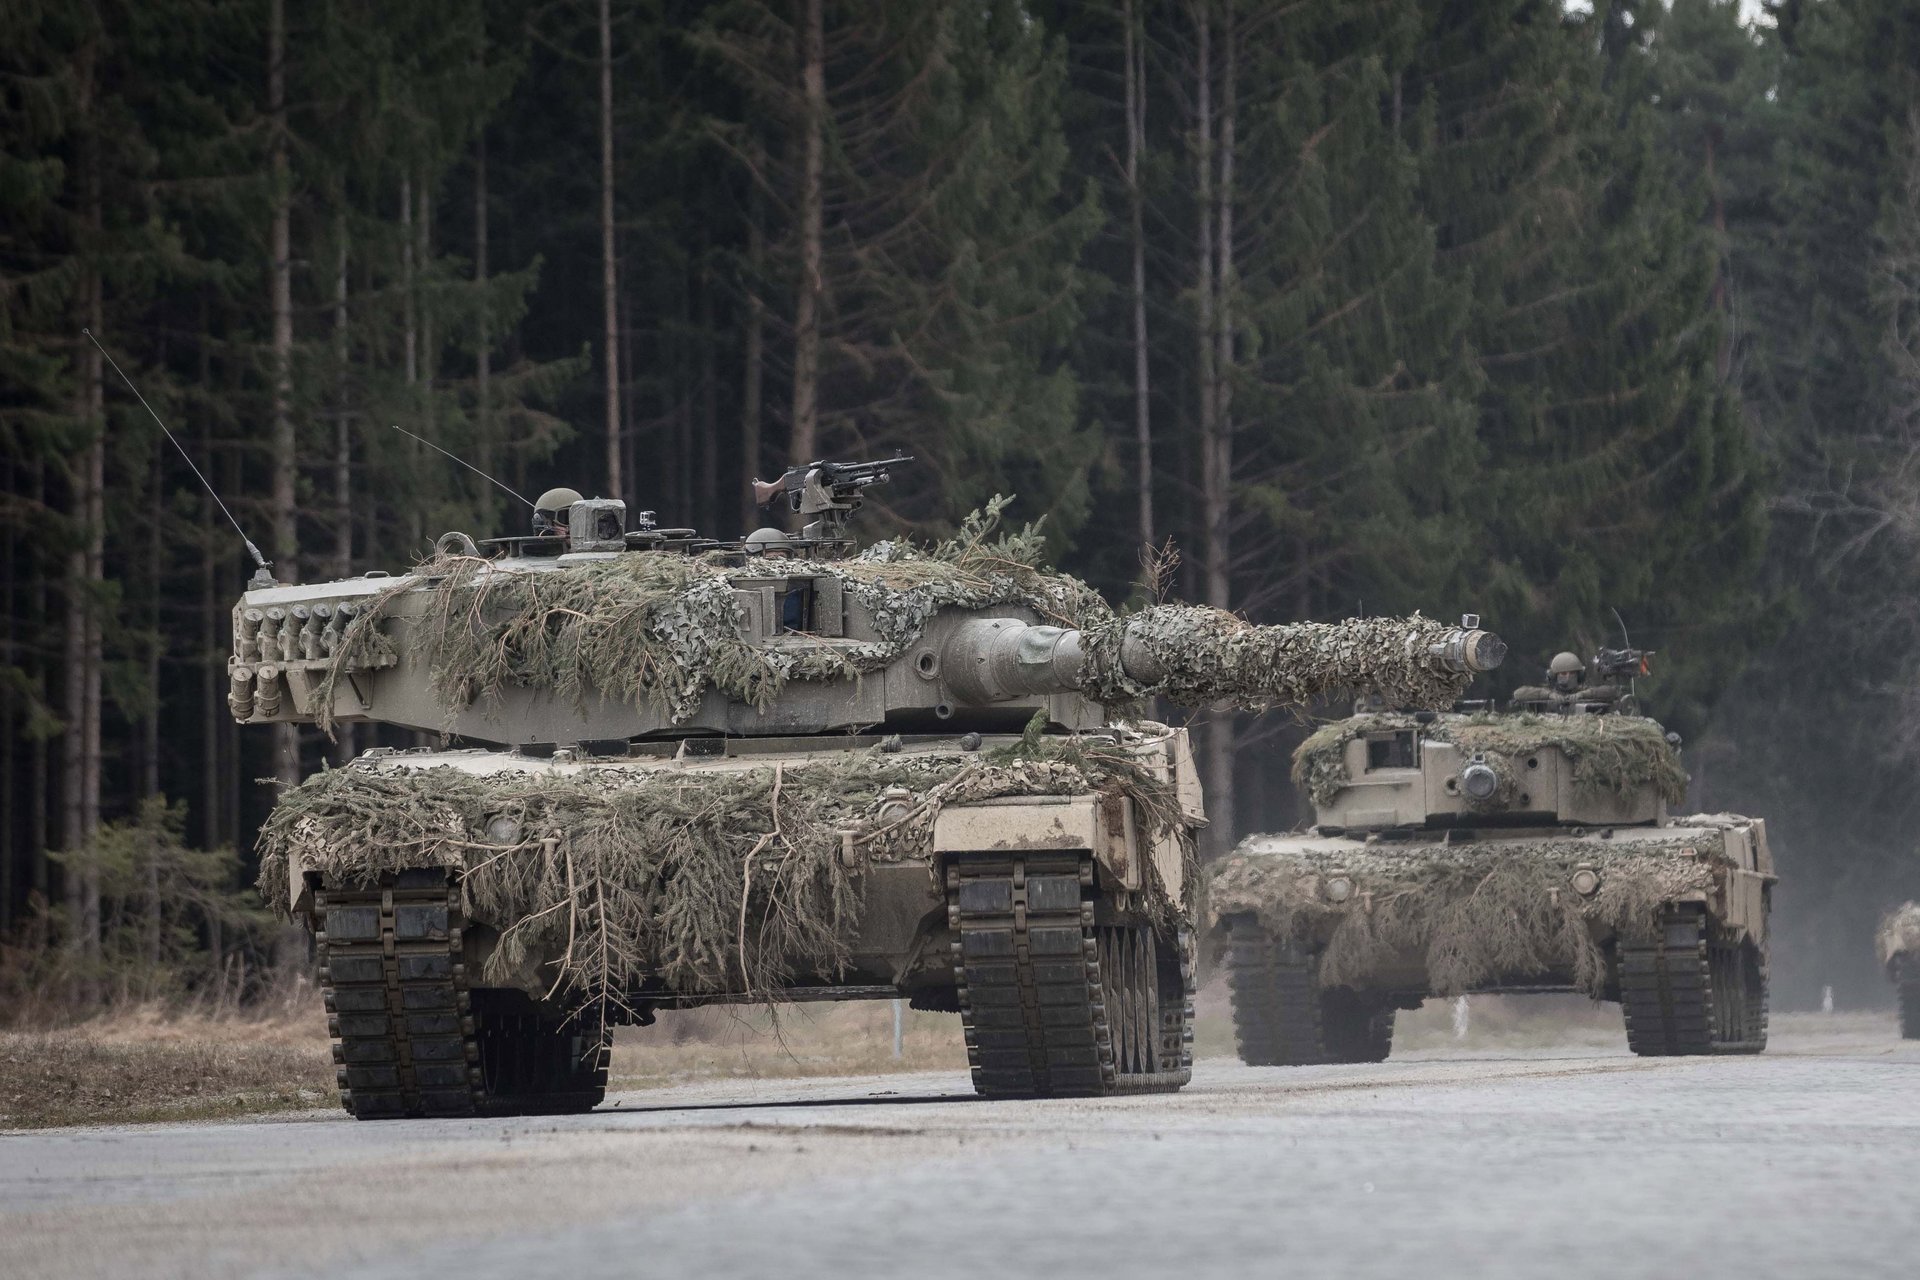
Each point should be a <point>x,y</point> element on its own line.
<point>1684,990</point>
<point>1906,977</point>
<point>1281,1015</point>
<point>1053,1005</point>
<point>407,1040</point>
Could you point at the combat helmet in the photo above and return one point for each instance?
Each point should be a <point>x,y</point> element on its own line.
<point>551,509</point>
<point>768,541</point>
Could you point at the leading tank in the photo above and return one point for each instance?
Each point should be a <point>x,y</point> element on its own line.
<point>1480,850</point>
<point>683,773</point>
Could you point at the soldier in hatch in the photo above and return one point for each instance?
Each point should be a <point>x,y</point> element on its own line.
<point>551,511</point>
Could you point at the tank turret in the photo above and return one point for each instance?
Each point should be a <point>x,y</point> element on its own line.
<point>606,646</point>
<point>1568,753</point>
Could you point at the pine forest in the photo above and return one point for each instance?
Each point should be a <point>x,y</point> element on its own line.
<point>1578,317</point>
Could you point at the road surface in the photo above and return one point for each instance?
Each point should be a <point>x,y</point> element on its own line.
<point>1802,1162</point>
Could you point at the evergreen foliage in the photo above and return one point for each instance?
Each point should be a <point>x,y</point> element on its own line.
<point>1468,304</point>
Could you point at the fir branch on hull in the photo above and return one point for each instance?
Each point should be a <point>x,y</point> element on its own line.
<point>1472,914</point>
<point>1611,753</point>
<point>699,881</point>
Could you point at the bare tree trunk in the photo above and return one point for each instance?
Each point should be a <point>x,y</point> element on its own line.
<point>85,565</point>
<point>9,738</point>
<point>286,536</point>
<point>483,356</point>
<point>616,485</point>
<point>1723,357</point>
<point>1136,107</point>
<point>343,735</point>
<point>804,444</point>
<point>1214,488</point>
<point>409,316</point>
<point>39,879</point>
<point>410,269</point>
<point>342,414</point>
<point>709,407</point>
<point>630,403</point>
<point>212,623</point>
<point>150,722</point>
<point>755,358</point>
<point>429,349</point>
<point>1219,533</point>
<point>1210,486</point>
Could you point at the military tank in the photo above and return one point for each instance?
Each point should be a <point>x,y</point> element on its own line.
<point>1481,850</point>
<point>681,773</point>
<point>1898,945</point>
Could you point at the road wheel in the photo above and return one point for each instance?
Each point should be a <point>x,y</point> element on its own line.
<point>533,1062</point>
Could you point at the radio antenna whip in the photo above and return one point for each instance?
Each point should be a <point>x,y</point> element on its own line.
<point>259,561</point>
<point>1625,639</point>
<point>462,461</point>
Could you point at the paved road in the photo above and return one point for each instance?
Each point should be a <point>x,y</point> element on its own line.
<point>1804,1162</point>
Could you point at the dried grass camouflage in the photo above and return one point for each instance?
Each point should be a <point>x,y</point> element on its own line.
<point>1473,913</point>
<point>708,881</point>
<point>1899,933</point>
<point>661,630</point>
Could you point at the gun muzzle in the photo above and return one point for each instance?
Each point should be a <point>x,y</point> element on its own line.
<point>1469,649</point>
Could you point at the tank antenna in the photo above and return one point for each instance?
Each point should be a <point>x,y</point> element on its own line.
<point>457,458</point>
<point>259,561</point>
<point>1626,641</point>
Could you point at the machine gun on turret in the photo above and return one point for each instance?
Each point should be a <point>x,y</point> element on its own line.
<point>828,492</point>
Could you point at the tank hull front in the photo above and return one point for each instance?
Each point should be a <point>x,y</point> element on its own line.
<point>455,893</point>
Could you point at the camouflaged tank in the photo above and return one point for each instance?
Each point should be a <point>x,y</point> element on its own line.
<point>1527,850</point>
<point>1898,945</point>
<point>685,774</point>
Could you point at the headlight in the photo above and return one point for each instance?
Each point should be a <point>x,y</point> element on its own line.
<point>1479,781</point>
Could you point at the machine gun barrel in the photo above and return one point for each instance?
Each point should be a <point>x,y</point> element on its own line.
<point>1198,656</point>
<point>832,483</point>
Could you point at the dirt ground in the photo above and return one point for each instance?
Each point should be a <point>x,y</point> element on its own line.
<point>142,1065</point>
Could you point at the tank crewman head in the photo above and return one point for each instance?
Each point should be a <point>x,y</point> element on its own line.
<point>551,510</point>
<point>1566,673</point>
<point>772,544</point>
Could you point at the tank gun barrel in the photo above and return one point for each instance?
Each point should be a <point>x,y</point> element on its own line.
<point>1197,655</point>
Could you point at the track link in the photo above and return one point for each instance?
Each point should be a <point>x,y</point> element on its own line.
<point>1907,980</point>
<point>410,1038</point>
<point>1684,991</point>
<point>1282,1017</point>
<point>395,990</point>
<point>1052,1005</point>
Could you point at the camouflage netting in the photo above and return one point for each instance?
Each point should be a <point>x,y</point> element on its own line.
<point>1477,913</point>
<point>1208,654</point>
<point>717,880</point>
<point>660,630</point>
<point>1899,933</point>
<point>1609,753</point>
